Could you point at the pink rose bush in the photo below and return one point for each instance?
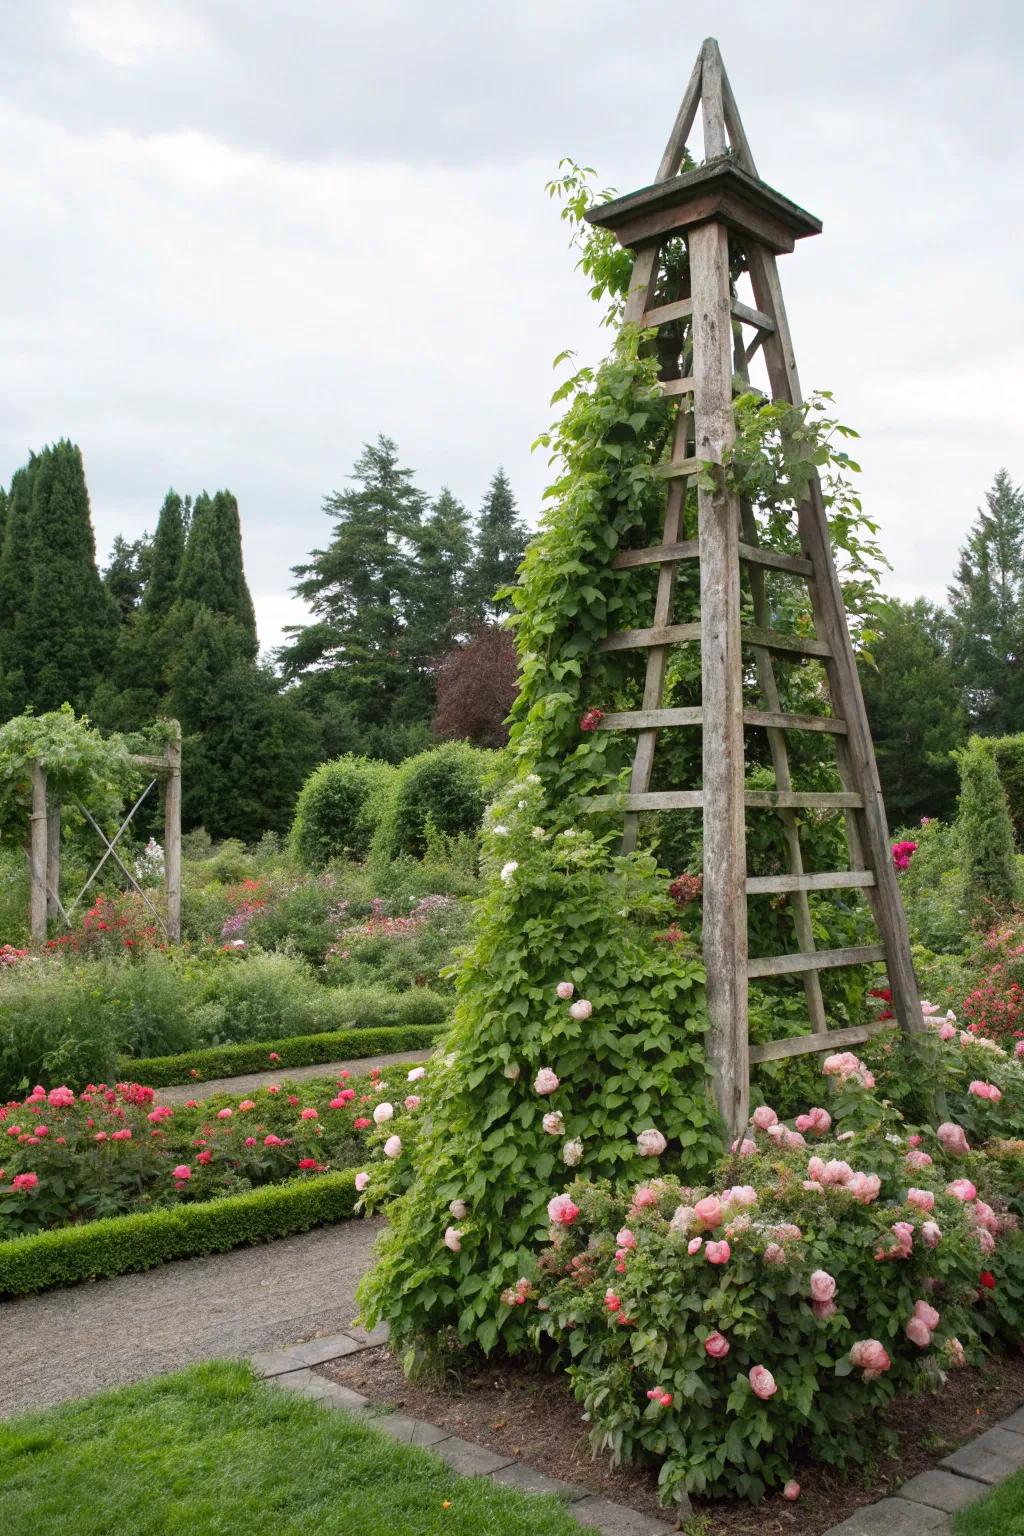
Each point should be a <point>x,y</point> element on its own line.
<point>109,1150</point>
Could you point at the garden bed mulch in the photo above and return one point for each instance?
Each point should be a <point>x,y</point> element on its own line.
<point>532,1415</point>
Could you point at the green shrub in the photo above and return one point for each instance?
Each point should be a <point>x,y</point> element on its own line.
<point>441,789</point>
<point>239,997</point>
<point>295,1051</point>
<point>1009,755</point>
<point>934,888</point>
<point>338,809</point>
<point>985,830</point>
<point>122,1245</point>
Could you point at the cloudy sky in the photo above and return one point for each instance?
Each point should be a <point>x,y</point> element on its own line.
<point>241,237</point>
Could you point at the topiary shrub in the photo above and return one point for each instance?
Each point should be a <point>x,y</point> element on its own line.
<point>440,791</point>
<point>1009,755</point>
<point>338,809</point>
<point>985,830</point>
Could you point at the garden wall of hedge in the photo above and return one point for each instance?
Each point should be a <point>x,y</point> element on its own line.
<point>293,1051</point>
<point>121,1245</point>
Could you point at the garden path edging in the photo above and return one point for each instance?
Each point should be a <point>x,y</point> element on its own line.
<point>926,1504</point>
<point>177,1093</point>
<point>293,1368</point>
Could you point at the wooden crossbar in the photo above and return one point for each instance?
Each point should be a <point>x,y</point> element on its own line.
<point>824,1040</point>
<point>753,317</point>
<point>820,960</point>
<point>689,549</point>
<point>680,469</point>
<point>675,634</point>
<point>652,719</point>
<point>676,386</point>
<point>753,799</point>
<point>661,314</point>
<point>827,880</point>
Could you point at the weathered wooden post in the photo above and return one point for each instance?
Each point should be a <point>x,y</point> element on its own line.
<point>37,855</point>
<point>52,857</point>
<point>172,835</point>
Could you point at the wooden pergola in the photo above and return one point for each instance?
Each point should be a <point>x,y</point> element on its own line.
<point>726,214</point>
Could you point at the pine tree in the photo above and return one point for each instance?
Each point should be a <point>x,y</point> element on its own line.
<point>500,544</point>
<point>62,623</point>
<point>915,706</point>
<point>360,589</point>
<point>987,602</point>
<point>436,616</point>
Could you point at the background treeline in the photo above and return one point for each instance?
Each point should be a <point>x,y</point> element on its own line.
<point>403,644</point>
<point>937,675</point>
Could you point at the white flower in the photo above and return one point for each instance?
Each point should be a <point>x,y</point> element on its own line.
<point>416,1073</point>
<point>458,1209</point>
<point>538,834</point>
<point>521,806</point>
<point>452,1239</point>
<point>500,830</point>
<point>362,1179</point>
<point>572,1152</point>
<point>508,870</point>
<point>651,1143</point>
<point>393,1146</point>
<point>582,1009</point>
<point>383,1112</point>
<point>553,1123</point>
<point>533,778</point>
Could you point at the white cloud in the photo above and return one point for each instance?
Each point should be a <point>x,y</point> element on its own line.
<point>127,33</point>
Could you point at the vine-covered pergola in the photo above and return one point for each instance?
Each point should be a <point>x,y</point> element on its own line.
<point>732,222</point>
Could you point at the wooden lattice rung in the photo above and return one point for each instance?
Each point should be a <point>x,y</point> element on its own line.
<point>829,880</point>
<point>806,1045</point>
<point>658,554</point>
<point>753,317</point>
<point>801,800</point>
<point>771,640</point>
<point>661,314</point>
<point>676,386</point>
<point>655,719</point>
<point>754,800</point>
<point>675,634</point>
<point>820,960</point>
<point>753,554</point>
<point>679,471</point>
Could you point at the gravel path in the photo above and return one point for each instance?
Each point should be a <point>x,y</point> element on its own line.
<point>105,1333</point>
<point>204,1090</point>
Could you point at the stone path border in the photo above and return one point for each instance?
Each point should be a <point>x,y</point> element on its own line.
<point>294,1369</point>
<point>925,1505</point>
<point>204,1089</point>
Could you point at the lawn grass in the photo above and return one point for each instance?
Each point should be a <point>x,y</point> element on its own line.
<point>212,1451</point>
<point>1000,1514</point>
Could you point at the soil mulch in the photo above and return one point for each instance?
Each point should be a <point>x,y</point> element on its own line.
<point>532,1415</point>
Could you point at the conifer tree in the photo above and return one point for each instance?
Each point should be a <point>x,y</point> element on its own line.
<point>360,589</point>
<point>168,551</point>
<point>501,540</point>
<point>126,573</point>
<point>985,831</point>
<point>436,617</point>
<point>62,622</point>
<point>16,558</point>
<point>915,706</point>
<point>212,573</point>
<point>987,602</point>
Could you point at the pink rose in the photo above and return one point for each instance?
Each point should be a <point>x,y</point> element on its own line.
<point>60,1098</point>
<point>545,1081</point>
<point>816,1168</point>
<point>740,1194</point>
<point>763,1117</point>
<point>762,1381</point>
<point>836,1172</point>
<point>415,1074</point>
<point>694,1245</point>
<point>393,1147</point>
<point>453,1239</point>
<point>362,1179</point>
<point>953,1138</point>
<point>986,1242</point>
<point>817,1120</point>
<point>561,1211</point>
<point>24,1181</point>
<point>931,1233</point>
<point>382,1113</point>
<point>917,1159</point>
<point>956,1353</point>
<point>272,1141</point>
<point>565,990</point>
<point>717,1345</point>
<point>1018,1049</point>
<point>962,1189</point>
<point>625,1238</point>
<point>791,1490</point>
<point>644,1196</point>
<point>651,1143</point>
<point>824,1309</point>
<point>745,1148</point>
<point>792,1139</point>
<point>864,1187</point>
<point>922,1198</point>
<point>183,1171</point>
<point>823,1286</point>
<point>927,1314</point>
<point>947,1031</point>
<point>709,1211</point>
<point>553,1123</point>
<point>813,1187</point>
<point>250,1141</point>
<point>983,1215</point>
<point>458,1209</point>
<point>869,1355</point>
<point>918,1333</point>
<point>413,1101</point>
<point>225,1114</point>
<point>718,1253</point>
<point>581,1010</point>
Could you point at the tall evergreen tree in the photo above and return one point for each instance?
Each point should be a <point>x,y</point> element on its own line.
<point>212,573</point>
<point>436,617</point>
<point>987,602</point>
<point>915,706</point>
<point>63,623</point>
<point>167,556</point>
<point>360,589</point>
<point>501,540</point>
<point>16,560</point>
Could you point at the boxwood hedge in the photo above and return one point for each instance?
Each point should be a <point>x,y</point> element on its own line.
<point>294,1051</point>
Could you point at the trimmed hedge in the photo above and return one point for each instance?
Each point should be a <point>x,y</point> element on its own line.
<point>294,1051</point>
<point>121,1245</point>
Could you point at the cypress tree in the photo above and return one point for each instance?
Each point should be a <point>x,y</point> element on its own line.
<point>16,561</point>
<point>168,551</point>
<point>501,540</point>
<point>63,621</point>
<point>985,831</point>
<point>212,573</point>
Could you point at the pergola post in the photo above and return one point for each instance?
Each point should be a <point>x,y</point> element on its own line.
<point>172,836</point>
<point>52,857</point>
<point>37,856</point>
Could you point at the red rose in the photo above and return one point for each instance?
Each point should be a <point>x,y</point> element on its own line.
<point>987,1279</point>
<point>591,719</point>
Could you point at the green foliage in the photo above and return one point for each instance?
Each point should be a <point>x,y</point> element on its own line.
<point>987,604</point>
<point>213,1449</point>
<point>80,764</point>
<point>443,789</point>
<point>934,888</point>
<point>1009,755</point>
<point>127,572</point>
<point>338,809</point>
<point>211,574</point>
<point>122,1245</point>
<point>914,702</point>
<point>985,830</point>
<point>563,910</point>
<point>410,1022</point>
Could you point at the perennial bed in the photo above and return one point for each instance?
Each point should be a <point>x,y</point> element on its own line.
<point>528,1412</point>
